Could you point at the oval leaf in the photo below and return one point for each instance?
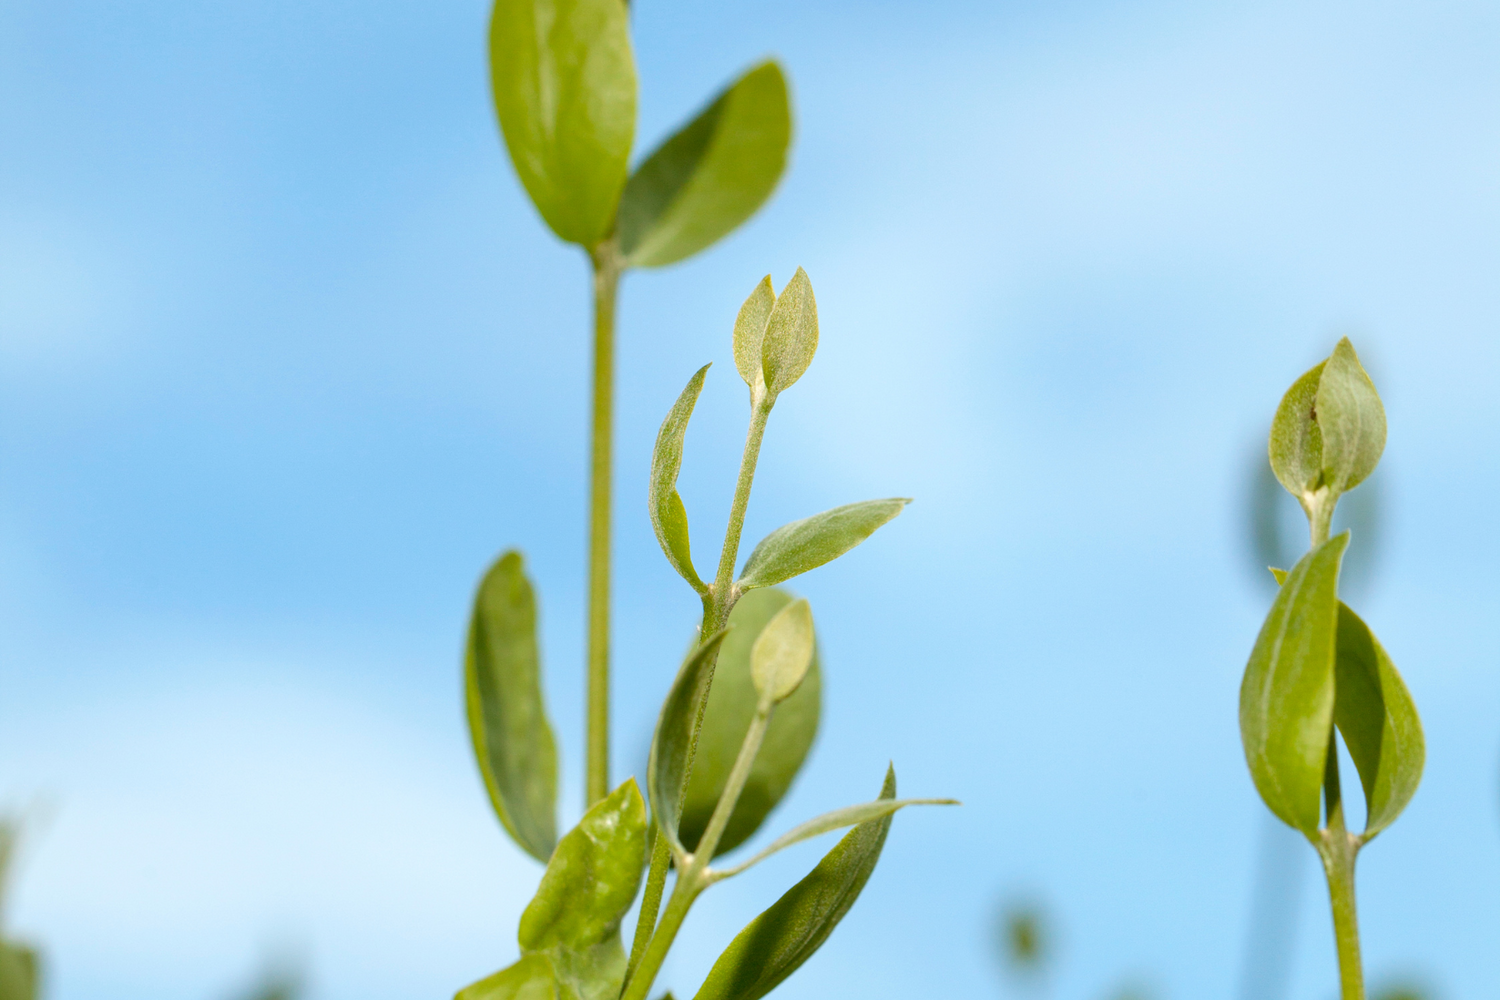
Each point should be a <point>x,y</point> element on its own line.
<point>671,759</point>
<point>592,878</point>
<point>750,332</point>
<point>1296,446</point>
<point>1351,419</point>
<point>1376,714</point>
<point>513,740</point>
<point>791,337</point>
<point>778,941</point>
<point>668,516</point>
<point>565,89</point>
<point>532,978</point>
<point>700,184</point>
<point>1286,699</point>
<point>783,652</point>
<point>731,706</point>
<point>809,543</point>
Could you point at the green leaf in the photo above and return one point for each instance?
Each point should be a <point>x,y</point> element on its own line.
<point>565,90</point>
<point>711,176</point>
<point>791,337</point>
<point>783,652</point>
<point>1296,446</point>
<point>592,878</point>
<point>513,741</point>
<point>778,941</point>
<point>1286,699</point>
<point>750,332</point>
<point>1351,418</point>
<point>1376,714</point>
<point>532,978</point>
<point>835,820</point>
<point>672,744</point>
<point>668,516</point>
<point>731,706</point>
<point>795,548</point>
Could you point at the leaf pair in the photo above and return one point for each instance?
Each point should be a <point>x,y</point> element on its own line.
<point>776,336</point>
<point>570,932</point>
<point>564,82</point>
<point>513,740</point>
<point>1315,665</point>
<point>1329,430</point>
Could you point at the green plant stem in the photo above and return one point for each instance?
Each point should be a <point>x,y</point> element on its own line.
<point>607,269</point>
<point>1337,848</point>
<point>717,604</point>
<point>723,596</point>
<point>1320,515</point>
<point>692,879</point>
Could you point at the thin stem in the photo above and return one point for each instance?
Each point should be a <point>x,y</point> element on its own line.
<point>723,597</point>
<point>1338,848</point>
<point>1319,510</point>
<point>717,604</point>
<point>601,446</point>
<point>692,878</point>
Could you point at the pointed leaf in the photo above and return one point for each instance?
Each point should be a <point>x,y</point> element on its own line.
<point>565,90</point>
<point>700,184</point>
<point>672,745</point>
<point>1378,718</point>
<point>592,878</point>
<point>791,337</point>
<point>783,652</point>
<point>1286,699</point>
<point>513,740</point>
<point>750,333</point>
<point>809,543</point>
<point>532,978</point>
<point>731,705</point>
<point>1296,446</point>
<point>1351,418</point>
<point>668,516</point>
<point>776,943</point>
<point>835,820</point>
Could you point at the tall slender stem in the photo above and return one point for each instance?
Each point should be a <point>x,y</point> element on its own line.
<point>601,459</point>
<point>723,596</point>
<point>717,604</point>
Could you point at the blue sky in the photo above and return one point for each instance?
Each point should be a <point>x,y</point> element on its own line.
<point>286,358</point>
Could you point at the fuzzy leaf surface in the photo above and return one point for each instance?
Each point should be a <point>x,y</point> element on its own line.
<point>1296,446</point>
<point>1351,419</point>
<point>532,978</point>
<point>791,337</point>
<point>564,83</point>
<point>512,738</point>
<point>776,943</point>
<point>712,175</point>
<point>795,548</point>
<point>731,706</point>
<point>672,744</point>
<point>750,333</point>
<point>1286,699</point>
<point>1375,712</point>
<point>783,652</point>
<point>668,515</point>
<point>592,878</point>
